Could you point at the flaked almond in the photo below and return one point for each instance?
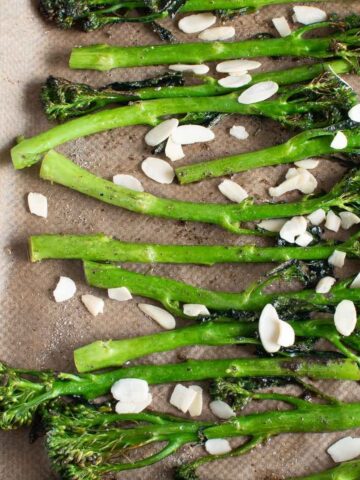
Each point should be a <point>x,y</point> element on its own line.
<point>356,282</point>
<point>217,446</point>
<point>221,409</point>
<point>317,217</point>
<point>173,150</point>
<point>94,305</point>
<point>333,222</point>
<point>38,205</point>
<point>340,141</point>
<point>354,113</point>
<point>197,405</point>
<point>130,390</point>
<point>296,179</point>
<point>195,309</point>
<point>348,219</point>
<point>292,172</point>
<point>269,329</point>
<point>345,317</point>
<point>233,191</point>
<point>133,407</point>
<point>158,170</point>
<point>217,33</point>
<point>239,65</point>
<point>258,93</point>
<point>337,259</point>
<point>232,81</point>
<point>273,224</point>
<point>161,132</point>
<point>128,181</point>
<point>189,134</point>
<point>286,337</point>
<point>121,294</point>
<point>293,228</point>
<point>197,69</point>
<point>324,285</point>
<point>239,132</point>
<point>308,164</point>
<point>309,15</point>
<point>345,449</point>
<point>282,26</point>
<point>304,239</point>
<point>64,290</point>
<point>197,22</point>
<point>182,397</point>
<point>161,316</point>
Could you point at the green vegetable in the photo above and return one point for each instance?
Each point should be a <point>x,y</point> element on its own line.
<point>344,471</point>
<point>312,143</point>
<point>344,43</point>
<point>24,391</point>
<point>324,101</point>
<point>63,99</point>
<point>58,169</point>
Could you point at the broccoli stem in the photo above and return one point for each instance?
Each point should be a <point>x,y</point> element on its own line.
<point>344,471</point>
<point>313,143</point>
<point>172,294</point>
<point>106,57</point>
<point>101,248</point>
<point>59,169</point>
<point>325,101</point>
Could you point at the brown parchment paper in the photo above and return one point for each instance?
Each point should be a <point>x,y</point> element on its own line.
<point>34,330</point>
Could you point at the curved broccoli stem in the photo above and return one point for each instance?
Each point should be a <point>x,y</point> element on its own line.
<point>344,471</point>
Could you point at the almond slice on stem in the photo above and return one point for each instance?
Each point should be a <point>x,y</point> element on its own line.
<point>182,397</point>
<point>195,309</point>
<point>217,33</point>
<point>337,259</point>
<point>217,446</point>
<point>197,22</point>
<point>159,315</point>
<point>273,224</point>
<point>317,217</point>
<point>269,329</point>
<point>130,390</point>
<point>189,134</point>
<point>308,163</point>
<point>158,170</point>
<point>354,113</point>
<point>333,222</point>
<point>233,81</point>
<point>345,317</point>
<point>221,409</point>
<point>339,142</point>
<point>239,65</point>
<point>133,407</point>
<point>282,26</point>
<point>309,15</point>
<point>197,405</point>
<point>286,337</point>
<point>293,228</point>
<point>258,93</point>
<point>128,181</point>
<point>197,69</point>
<point>324,285</point>
<point>121,294</point>
<point>161,132</point>
<point>173,150</point>
<point>304,239</point>
<point>348,219</point>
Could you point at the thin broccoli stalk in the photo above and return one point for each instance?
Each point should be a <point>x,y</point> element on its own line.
<point>323,102</point>
<point>112,353</point>
<point>58,169</point>
<point>173,294</point>
<point>343,471</point>
<point>23,391</point>
<point>101,248</point>
<point>313,143</point>
<point>63,99</point>
<point>106,436</point>
<point>343,43</point>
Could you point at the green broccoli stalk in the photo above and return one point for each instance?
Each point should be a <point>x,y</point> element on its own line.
<point>344,43</point>
<point>23,391</point>
<point>63,99</point>
<point>312,143</point>
<point>343,471</point>
<point>58,169</point>
<point>323,102</point>
<point>107,439</point>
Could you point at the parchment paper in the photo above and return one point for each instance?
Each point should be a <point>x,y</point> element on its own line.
<point>34,330</point>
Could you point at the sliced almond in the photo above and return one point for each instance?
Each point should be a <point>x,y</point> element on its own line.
<point>221,409</point>
<point>128,181</point>
<point>38,205</point>
<point>161,132</point>
<point>296,179</point>
<point>217,33</point>
<point>273,224</point>
<point>258,93</point>
<point>239,65</point>
<point>337,259</point>
<point>173,150</point>
<point>286,337</point>
<point>345,317</point>
<point>293,228</point>
<point>195,309</point>
<point>348,219</point>
<point>130,390</point>
<point>290,184</point>
<point>232,81</point>
<point>94,305</point>
<point>309,15</point>
<point>217,446</point>
<point>159,315</point>
<point>197,22</point>
<point>197,405</point>
<point>339,142</point>
<point>133,407</point>
<point>356,282</point>
<point>324,285</point>
<point>354,113</point>
<point>197,69</point>
<point>282,26</point>
<point>64,290</point>
<point>233,191</point>
<point>121,294</point>
<point>158,170</point>
<point>182,397</point>
<point>189,134</point>
<point>308,164</point>
<point>345,449</point>
<point>307,181</point>
<point>304,239</point>
<point>269,329</point>
<point>292,172</point>
<point>333,222</point>
<point>317,217</point>
<point>239,132</point>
